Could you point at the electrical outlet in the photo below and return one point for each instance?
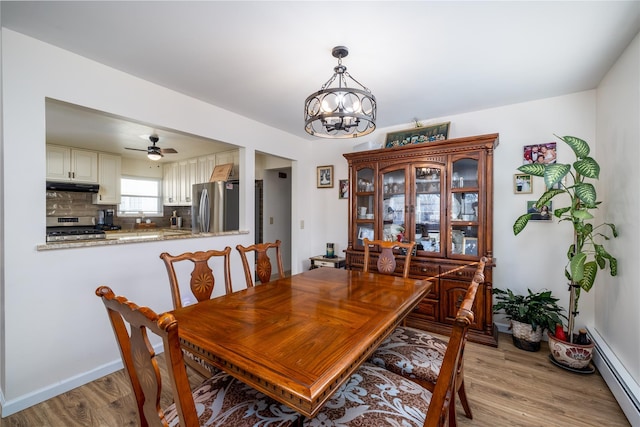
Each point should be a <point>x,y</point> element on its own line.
<point>271,220</point>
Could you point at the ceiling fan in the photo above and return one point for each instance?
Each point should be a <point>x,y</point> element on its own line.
<point>153,151</point>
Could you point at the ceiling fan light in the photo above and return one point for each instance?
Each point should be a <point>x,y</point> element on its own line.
<point>154,156</point>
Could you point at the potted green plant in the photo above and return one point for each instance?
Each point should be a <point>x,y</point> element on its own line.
<point>530,315</point>
<point>586,253</point>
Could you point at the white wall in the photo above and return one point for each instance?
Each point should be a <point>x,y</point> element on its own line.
<point>617,316</point>
<point>4,178</point>
<point>56,332</point>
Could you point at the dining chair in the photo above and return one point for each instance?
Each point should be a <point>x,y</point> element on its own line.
<point>262,261</point>
<point>386,259</point>
<point>220,400</point>
<point>201,284</point>
<point>375,396</point>
<point>419,356</point>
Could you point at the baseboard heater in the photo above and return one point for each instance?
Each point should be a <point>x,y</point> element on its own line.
<point>622,385</point>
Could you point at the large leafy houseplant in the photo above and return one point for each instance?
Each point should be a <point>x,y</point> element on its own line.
<point>586,253</point>
<point>539,309</point>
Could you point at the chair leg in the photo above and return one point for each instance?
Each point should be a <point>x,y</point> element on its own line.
<point>463,399</point>
<point>452,413</point>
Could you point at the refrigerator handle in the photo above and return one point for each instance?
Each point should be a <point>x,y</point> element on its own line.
<point>204,211</point>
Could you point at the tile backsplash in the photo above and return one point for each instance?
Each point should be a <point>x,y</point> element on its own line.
<point>68,203</point>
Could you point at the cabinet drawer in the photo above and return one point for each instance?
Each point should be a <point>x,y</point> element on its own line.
<point>456,272</point>
<point>424,270</point>
<point>427,309</point>
<point>324,264</point>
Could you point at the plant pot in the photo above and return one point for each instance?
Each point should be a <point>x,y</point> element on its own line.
<point>572,355</point>
<point>524,337</point>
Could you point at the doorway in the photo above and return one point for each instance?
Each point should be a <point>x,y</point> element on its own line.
<point>273,210</point>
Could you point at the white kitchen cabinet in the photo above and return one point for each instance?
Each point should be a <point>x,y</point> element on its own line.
<point>179,177</point>
<point>206,164</point>
<point>187,175</point>
<point>192,178</point>
<point>232,156</point>
<point>170,184</point>
<point>109,175</point>
<point>71,164</point>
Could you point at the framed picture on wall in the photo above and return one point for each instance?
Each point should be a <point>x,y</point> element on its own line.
<point>522,183</point>
<point>542,213</point>
<point>343,189</point>
<point>539,153</point>
<point>325,176</point>
<point>438,132</point>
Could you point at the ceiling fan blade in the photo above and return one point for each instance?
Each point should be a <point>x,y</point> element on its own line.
<point>134,149</point>
<point>168,150</point>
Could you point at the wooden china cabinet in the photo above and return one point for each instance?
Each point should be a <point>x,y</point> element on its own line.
<point>440,195</point>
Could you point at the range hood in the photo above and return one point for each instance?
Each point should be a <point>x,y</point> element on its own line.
<point>72,186</point>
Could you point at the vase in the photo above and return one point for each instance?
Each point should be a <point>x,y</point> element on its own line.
<point>572,355</point>
<point>525,337</point>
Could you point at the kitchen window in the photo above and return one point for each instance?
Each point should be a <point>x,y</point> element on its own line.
<point>140,196</point>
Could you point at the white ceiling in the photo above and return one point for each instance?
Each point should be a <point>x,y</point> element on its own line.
<point>421,59</point>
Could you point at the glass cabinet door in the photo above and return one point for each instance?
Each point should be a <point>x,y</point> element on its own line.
<point>427,208</point>
<point>394,205</point>
<point>364,205</point>
<point>463,239</point>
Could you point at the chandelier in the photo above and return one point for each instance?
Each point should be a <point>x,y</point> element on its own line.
<point>340,112</point>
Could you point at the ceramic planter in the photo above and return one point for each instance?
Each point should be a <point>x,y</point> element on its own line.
<point>524,337</point>
<point>572,355</point>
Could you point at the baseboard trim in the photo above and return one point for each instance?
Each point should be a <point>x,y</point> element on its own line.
<point>12,406</point>
<point>39,396</point>
<point>620,382</point>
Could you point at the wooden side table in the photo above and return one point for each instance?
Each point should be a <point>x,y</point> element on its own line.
<point>322,261</point>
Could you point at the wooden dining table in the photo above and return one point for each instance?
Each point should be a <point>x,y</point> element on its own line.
<point>299,338</point>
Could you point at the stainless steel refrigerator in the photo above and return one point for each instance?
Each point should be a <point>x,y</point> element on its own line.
<point>215,206</point>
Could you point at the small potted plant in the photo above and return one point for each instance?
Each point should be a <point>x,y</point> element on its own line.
<point>530,315</point>
<point>586,253</point>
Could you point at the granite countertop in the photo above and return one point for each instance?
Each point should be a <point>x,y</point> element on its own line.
<point>119,237</point>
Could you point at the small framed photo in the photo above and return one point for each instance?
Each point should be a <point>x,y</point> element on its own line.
<point>365,233</point>
<point>540,153</point>
<point>343,189</point>
<point>431,133</point>
<point>542,213</point>
<point>522,183</point>
<point>325,177</point>
<point>470,246</point>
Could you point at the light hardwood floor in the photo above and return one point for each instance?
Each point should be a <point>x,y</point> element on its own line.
<point>505,386</point>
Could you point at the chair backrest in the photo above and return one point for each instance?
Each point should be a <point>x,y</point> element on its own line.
<point>202,279</point>
<point>445,388</point>
<point>140,362</point>
<point>386,258</point>
<point>263,263</point>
